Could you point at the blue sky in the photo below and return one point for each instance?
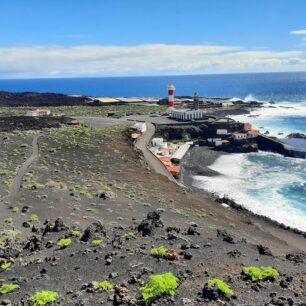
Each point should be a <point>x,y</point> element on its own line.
<point>150,37</point>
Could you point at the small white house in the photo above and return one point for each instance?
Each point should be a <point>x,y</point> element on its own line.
<point>38,113</point>
<point>140,127</point>
<point>222,132</point>
<point>240,136</point>
<point>157,142</point>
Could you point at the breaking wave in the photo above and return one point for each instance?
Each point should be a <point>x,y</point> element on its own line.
<point>265,183</point>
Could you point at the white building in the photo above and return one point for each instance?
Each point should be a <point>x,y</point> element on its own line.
<point>140,127</point>
<point>186,115</point>
<point>157,142</point>
<point>38,113</point>
<point>222,132</point>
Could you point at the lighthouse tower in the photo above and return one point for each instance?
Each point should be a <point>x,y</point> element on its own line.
<point>171,90</point>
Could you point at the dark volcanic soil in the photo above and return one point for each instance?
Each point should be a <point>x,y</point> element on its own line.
<point>86,176</point>
<point>37,99</point>
<point>21,123</point>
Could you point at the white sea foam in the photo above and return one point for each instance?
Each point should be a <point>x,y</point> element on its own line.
<point>272,117</point>
<point>257,185</point>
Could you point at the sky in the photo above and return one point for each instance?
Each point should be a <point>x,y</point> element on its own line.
<point>77,38</point>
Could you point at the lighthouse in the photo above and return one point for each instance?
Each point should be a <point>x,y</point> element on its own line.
<point>171,90</point>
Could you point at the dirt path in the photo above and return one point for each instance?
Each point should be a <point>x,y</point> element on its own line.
<point>15,187</point>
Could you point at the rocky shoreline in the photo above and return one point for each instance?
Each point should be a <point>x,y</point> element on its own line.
<point>196,162</point>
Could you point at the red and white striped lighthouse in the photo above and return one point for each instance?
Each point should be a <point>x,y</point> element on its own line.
<point>171,90</point>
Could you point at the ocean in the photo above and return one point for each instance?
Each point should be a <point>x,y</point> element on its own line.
<point>265,183</point>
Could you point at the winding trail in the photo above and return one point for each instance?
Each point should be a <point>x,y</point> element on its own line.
<point>15,187</point>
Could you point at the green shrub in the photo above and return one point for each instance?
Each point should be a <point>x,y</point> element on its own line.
<point>132,195</point>
<point>85,193</point>
<point>107,188</point>
<point>257,274</point>
<point>8,288</point>
<point>130,235</point>
<point>35,186</point>
<point>15,210</point>
<point>232,225</point>
<point>200,215</point>
<point>44,297</point>
<point>97,242</point>
<point>34,218</point>
<point>2,244</point>
<point>159,252</point>
<point>222,286</point>
<point>105,286</point>
<point>6,266</point>
<point>76,233</point>
<point>64,243</point>
<point>8,220</point>
<point>10,235</point>
<point>158,286</point>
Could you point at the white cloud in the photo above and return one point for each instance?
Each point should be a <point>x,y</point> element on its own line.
<point>298,32</point>
<point>154,59</point>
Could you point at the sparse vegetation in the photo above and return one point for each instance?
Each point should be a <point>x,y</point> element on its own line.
<point>64,243</point>
<point>8,288</point>
<point>232,225</point>
<point>35,186</point>
<point>44,298</point>
<point>97,242</point>
<point>223,288</point>
<point>257,274</point>
<point>8,220</point>
<point>132,195</point>
<point>6,266</point>
<point>85,193</point>
<point>15,210</point>
<point>76,233</point>
<point>158,286</point>
<point>34,218</point>
<point>105,286</point>
<point>159,252</point>
<point>130,235</point>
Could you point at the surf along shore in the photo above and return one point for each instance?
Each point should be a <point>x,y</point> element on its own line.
<point>89,185</point>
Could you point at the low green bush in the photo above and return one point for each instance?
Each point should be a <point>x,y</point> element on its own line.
<point>159,252</point>
<point>130,235</point>
<point>76,233</point>
<point>232,225</point>
<point>34,218</point>
<point>257,274</point>
<point>15,210</point>
<point>35,186</point>
<point>132,195</point>
<point>85,193</point>
<point>8,288</point>
<point>44,297</point>
<point>6,266</point>
<point>224,288</point>
<point>64,243</point>
<point>9,220</point>
<point>158,286</point>
<point>97,242</point>
<point>105,286</point>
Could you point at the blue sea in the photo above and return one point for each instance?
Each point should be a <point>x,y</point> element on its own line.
<point>265,183</point>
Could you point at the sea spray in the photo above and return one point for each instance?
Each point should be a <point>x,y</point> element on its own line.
<point>265,183</point>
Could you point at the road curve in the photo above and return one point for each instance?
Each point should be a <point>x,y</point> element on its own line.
<point>142,145</point>
<point>15,187</point>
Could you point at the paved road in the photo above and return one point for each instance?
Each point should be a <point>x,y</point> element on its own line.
<point>15,187</point>
<point>151,159</point>
<point>101,122</point>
